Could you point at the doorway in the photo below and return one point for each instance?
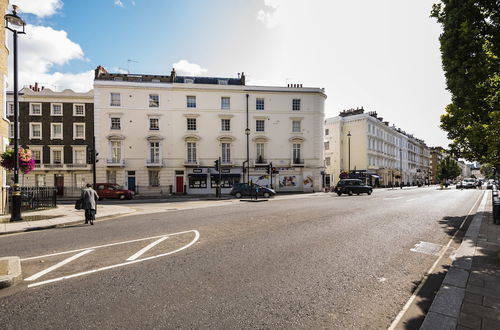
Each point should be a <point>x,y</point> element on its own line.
<point>179,184</point>
<point>131,180</point>
<point>59,184</point>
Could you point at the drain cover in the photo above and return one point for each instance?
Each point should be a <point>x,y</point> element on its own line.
<point>427,248</point>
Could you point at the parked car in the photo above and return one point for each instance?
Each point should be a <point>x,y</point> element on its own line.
<point>243,189</point>
<point>352,186</point>
<point>469,183</point>
<point>459,185</point>
<point>489,184</point>
<point>112,190</point>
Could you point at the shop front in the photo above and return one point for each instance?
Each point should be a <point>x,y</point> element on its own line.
<point>203,181</point>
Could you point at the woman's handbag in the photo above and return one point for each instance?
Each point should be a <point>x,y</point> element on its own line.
<point>78,204</point>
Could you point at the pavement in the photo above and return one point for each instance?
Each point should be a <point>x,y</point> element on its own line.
<point>469,297</point>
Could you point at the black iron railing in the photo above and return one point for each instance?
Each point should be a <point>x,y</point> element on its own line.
<point>32,198</point>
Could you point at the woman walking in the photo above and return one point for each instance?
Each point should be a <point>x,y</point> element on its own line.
<point>89,199</point>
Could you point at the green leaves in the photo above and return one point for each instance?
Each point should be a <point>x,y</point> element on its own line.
<point>470,49</point>
<point>448,169</point>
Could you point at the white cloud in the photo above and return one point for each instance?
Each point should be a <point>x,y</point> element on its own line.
<point>183,67</point>
<point>40,8</point>
<point>272,15</point>
<point>119,3</point>
<point>132,2</point>
<point>40,49</point>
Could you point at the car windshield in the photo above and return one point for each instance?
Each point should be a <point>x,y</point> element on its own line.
<point>470,180</point>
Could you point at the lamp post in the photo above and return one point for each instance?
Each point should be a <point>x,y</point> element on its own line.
<point>247,133</point>
<point>349,152</point>
<point>12,23</point>
<point>401,167</point>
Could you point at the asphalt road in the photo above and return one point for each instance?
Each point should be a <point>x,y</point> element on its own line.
<point>300,262</point>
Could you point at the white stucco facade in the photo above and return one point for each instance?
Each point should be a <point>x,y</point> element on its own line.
<point>164,137</point>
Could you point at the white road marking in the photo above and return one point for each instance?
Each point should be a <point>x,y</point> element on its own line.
<point>105,245</point>
<point>427,248</point>
<point>392,198</point>
<point>60,264</point>
<point>412,199</point>
<point>419,287</point>
<point>196,237</point>
<point>146,248</point>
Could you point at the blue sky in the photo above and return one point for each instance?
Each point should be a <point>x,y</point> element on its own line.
<point>382,55</point>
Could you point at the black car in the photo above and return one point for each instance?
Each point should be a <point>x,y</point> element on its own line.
<point>243,189</point>
<point>352,186</point>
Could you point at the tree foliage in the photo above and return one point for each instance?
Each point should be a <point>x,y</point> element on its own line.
<point>448,169</point>
<point>470,50</point>
<point>487,171</point>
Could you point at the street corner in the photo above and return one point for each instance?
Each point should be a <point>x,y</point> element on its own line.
<point>10,271</point>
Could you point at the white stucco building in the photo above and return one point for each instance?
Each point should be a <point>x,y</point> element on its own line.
<point>382,154</point>
<point>159,134</point>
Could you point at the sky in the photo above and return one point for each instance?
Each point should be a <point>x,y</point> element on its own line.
<point>380,55</point>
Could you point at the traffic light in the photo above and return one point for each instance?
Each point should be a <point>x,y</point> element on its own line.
<point>217,165</point>
<point>274,170</point>
<point>96,160</point>
<point>268,169</point>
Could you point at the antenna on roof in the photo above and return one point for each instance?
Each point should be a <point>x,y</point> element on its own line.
<point>128,64</point>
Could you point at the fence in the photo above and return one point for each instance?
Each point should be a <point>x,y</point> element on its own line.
<point>32,198</point>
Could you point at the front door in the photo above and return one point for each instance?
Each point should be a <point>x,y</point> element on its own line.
<point>59,184</point>
<point>179,184</point>
<point>131,183</point>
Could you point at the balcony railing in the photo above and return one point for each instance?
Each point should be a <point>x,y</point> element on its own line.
<point>261,161</point>
<point>154,163</point>
<point>191,162</point>
<point>78,165</point>
<point>53,165</point>
<point>297,162</point>
<point>115,162</point>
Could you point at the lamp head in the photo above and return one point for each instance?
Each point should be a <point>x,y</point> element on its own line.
<point>14,19</point>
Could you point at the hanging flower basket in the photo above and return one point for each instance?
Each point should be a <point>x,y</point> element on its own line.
<point>26,163</point>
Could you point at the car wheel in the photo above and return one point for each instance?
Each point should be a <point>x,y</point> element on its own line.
<point>357,194</point>
<point>266,195</point>
<point>349,193</point>
<point>339,193</point>
<point>130,197</point>
<point>122,197</point>
<point>369,192</point>
<point>237,195</point>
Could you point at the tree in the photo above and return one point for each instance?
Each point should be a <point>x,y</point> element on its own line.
<point>470,51</point>
<point>448,169</point>
<point>487,171</point>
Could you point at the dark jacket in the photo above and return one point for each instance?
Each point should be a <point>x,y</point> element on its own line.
<point>89,199</point>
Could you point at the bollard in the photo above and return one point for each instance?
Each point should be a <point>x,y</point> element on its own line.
<point>496,210</point>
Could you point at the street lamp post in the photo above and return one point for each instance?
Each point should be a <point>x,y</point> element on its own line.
<point>12,23</point>
<point>401,167</point>
<point>349,152</point>
<point>247,133</point>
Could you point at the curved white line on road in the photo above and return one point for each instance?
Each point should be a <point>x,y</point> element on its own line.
<point>196,237</point>
<point>146,248</point>
<point>105,245</point>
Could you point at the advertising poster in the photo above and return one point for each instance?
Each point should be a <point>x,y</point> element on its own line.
<point>261,180</point>
<point>308,181</point>
<point>288,181</point>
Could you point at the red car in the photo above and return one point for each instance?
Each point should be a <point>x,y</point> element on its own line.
<point>112,190</point>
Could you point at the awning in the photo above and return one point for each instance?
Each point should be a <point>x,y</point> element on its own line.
<point>225,175</point>
<point>197,176</point>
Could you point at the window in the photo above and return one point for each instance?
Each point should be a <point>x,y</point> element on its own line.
<point>79,110</point>
<point>226,153</point>
<point>154,152</point>
<point>35,109</point>
<point>56,157</point>
<point>115,123</point>
<point>116,151</point>
<point>296,126</point>
<point>111,176</point>
<point>56,109</point>
<point>36,154</point>
<point>260,153</point>
<point>259,125</point>
<point>154,178</point>
<point>225,103</point>
<point>222,81</point>
<point>259,104</point>
<point>154,124</point>
<point>56,131</point>
<point>197,181</point>
<point>296,153</point>
<point>225,125</point>
<point>79,156</point>
<point>78,131</point>
<point>115,100</point>
<point>191,101</point>
<point>327,131</point>
<point>40,180</point>
<point>35,130</point>
<point>154,100</point>
<point>191,124</point>
<point>191,152</point>
<point>327,161</point>
<point>188,81</point>
<point>10,109</point>
<point>327,145</point>
<point>296,104</point>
